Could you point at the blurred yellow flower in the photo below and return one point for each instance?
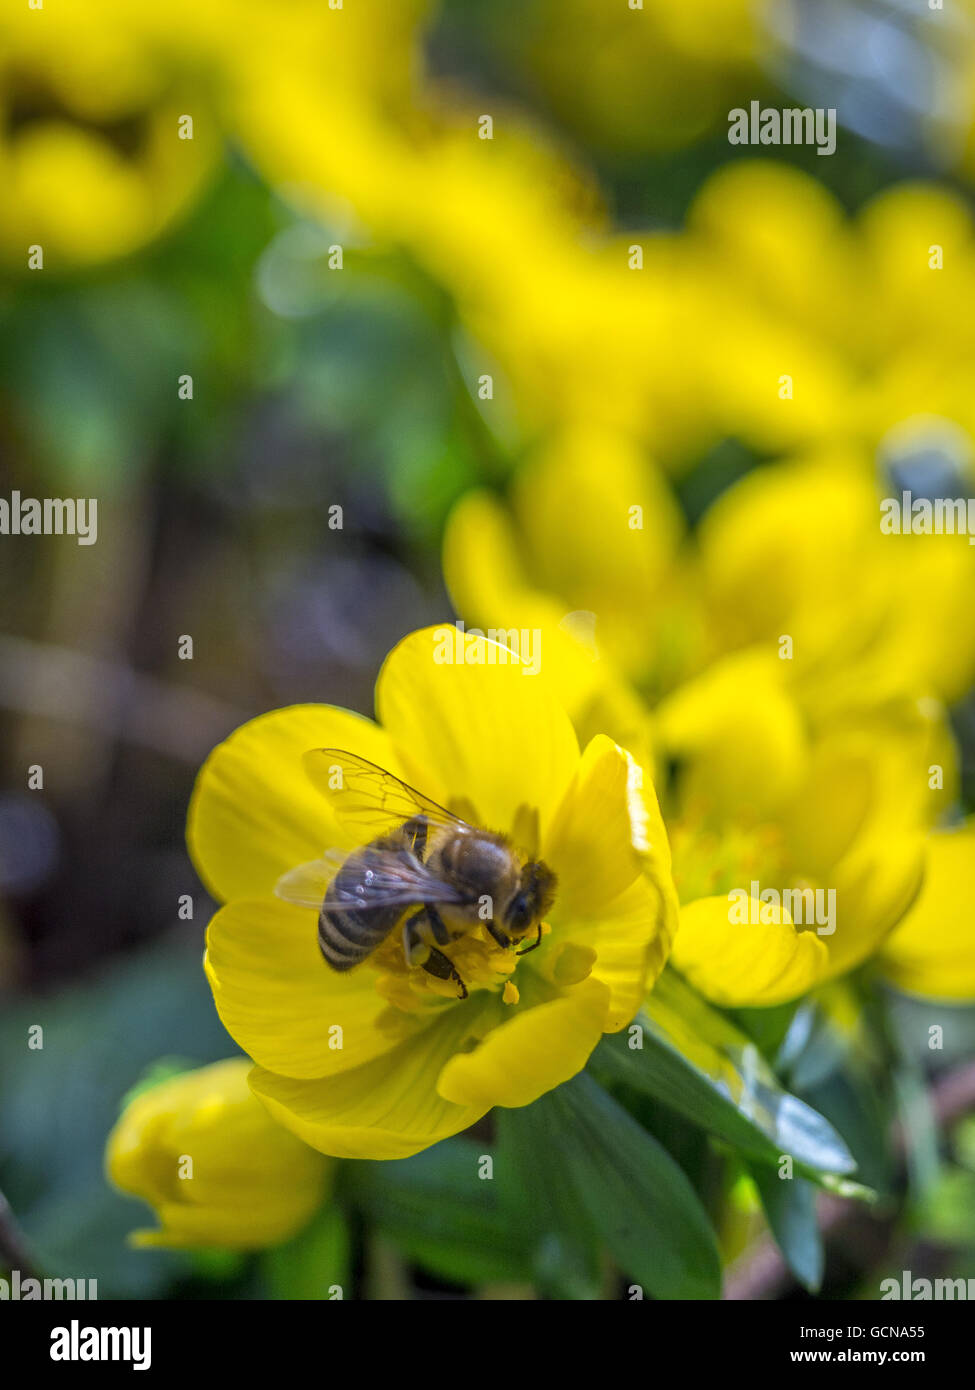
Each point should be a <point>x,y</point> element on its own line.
<point>214,1166</point>
<point>932,953</point>
<point>792,559</point>
<point>826,328</point>
<point>795,856</point>
<point>385,1060</point>
<point>639,76</point>
<point>589,548</point>
<point>93,100</point>
<point>794,684</point>
<point>551,302</point>
<point>797,551</point>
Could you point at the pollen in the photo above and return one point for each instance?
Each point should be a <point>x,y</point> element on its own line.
<point>478,959</point>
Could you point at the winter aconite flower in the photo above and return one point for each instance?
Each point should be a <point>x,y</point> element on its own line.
<point>587,551</point>
<point>776,776</point>
<point>95,154</point>
<point>795,855</point>
<point>801,549</point>
<point>384,1059</point>
<point>859,315</point>
<point>213,1164</point>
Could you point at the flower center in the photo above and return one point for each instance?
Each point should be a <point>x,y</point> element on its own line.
<point>477,958</point>
<point>709,862</point>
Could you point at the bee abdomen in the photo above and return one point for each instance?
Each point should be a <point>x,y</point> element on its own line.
<point>347,935</point>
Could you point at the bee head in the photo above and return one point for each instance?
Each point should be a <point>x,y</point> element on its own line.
<point>535,895</point>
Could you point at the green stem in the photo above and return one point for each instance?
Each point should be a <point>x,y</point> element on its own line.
<point>13,1248</point>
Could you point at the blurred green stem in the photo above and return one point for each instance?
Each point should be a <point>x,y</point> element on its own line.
<point>13,1248</point>
<point>386,1279</point>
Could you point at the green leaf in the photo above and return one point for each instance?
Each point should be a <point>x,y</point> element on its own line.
<point>790,1209</point>
<point>439,1211</point>
<point>315,1263</point>
<point>696,1061</point>
<point>217,1266</point>
<point>633,1195</point>
<point>852,1191</point>
<point>858,1103</point>
<point>564,1251</point>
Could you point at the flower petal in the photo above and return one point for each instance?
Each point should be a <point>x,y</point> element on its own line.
<point>389,1108</point>
<point>254,814</point>
<point>609,848</point>
<point>484,575</point>
<point>282,1004</point>
<point>486,730</point>
<point>602,526</point>
<point>932,952</point>
<point>876,884</point>
<point>741,734</point>
<point>632,939</point>
<point>606,832</point>
<point>744,964</point>
<point>533,1052</point>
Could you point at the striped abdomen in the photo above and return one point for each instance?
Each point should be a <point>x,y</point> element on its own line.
<point>347,935</point>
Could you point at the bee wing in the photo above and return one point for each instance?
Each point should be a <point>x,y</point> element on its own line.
<point>368,799</point>
<point>393,878</point>
<point>307,885</point>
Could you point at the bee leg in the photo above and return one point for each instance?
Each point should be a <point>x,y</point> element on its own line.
<point>535,944</point>
<point>503,941</point>
<point>441,968</point>
<point>412,944</point>
<point>435,962</point>
<point>440,933</point>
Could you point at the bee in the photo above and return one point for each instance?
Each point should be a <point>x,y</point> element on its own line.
<point>427,871</point>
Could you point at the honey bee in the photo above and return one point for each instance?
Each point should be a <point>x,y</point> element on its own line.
<point>452,875</point>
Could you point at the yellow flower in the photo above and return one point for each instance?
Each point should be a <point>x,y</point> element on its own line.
<point>212,1163</point>
<point>797,550</point>
<point>323,103</point>
<point>814,766</point>
<point>932,952</point>
<point>587,549</point>
<point>633,79</point>
<point>795,857</point>
<point>859,314</point>
<point>384,1060</point>
<point>351,127</point>
<point>91,99</point>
